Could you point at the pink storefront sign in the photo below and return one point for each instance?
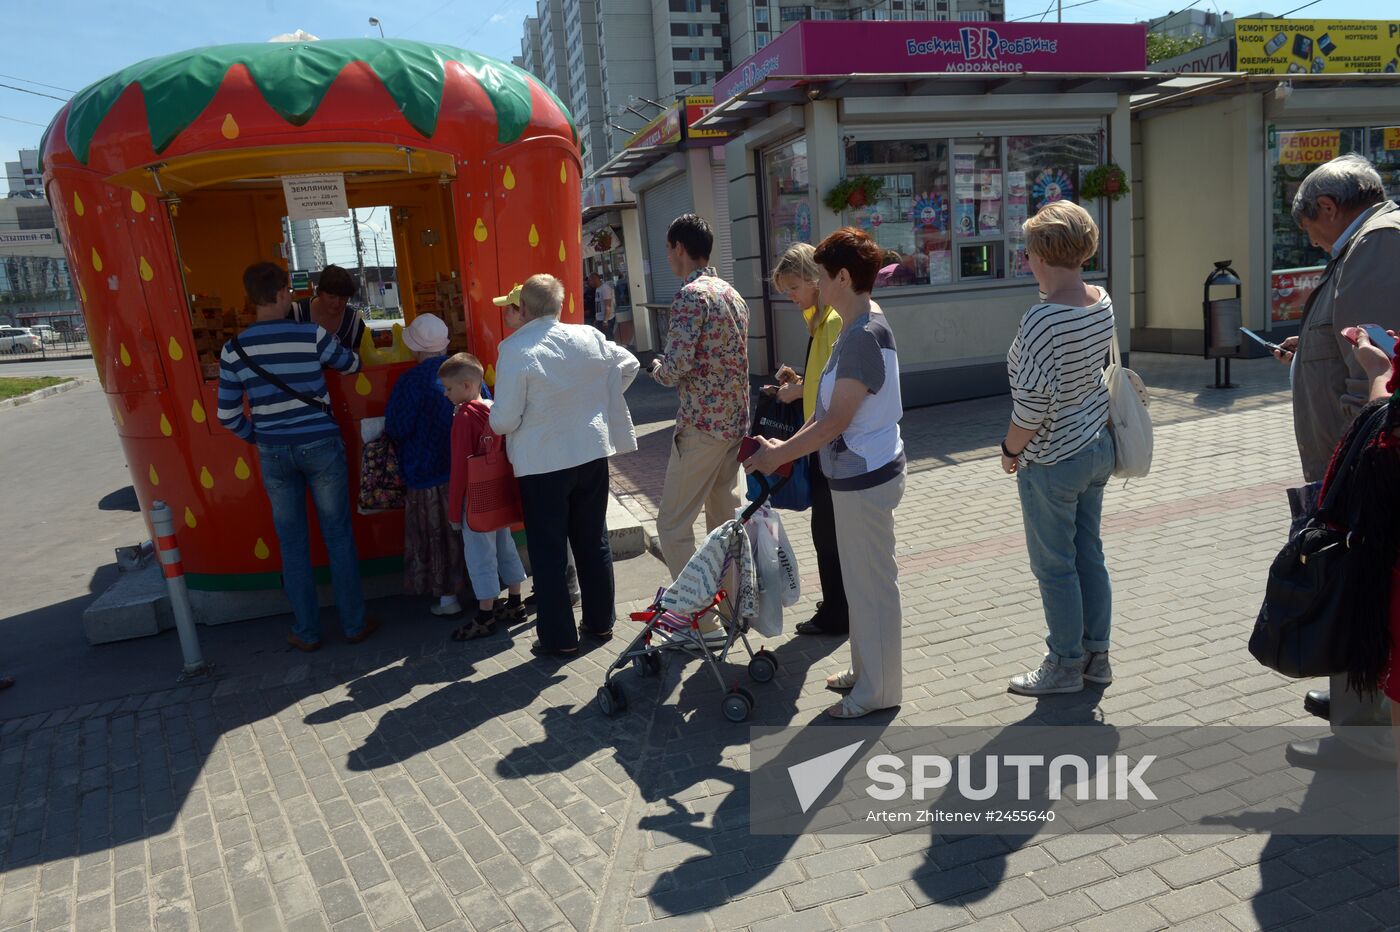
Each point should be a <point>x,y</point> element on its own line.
<point>831,48</point>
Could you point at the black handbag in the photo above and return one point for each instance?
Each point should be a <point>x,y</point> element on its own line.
<point>780,421</point>
<point>1307,622</point>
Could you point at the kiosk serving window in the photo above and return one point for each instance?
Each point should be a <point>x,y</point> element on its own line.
<point>950,209</point>
<point>1296,265</point>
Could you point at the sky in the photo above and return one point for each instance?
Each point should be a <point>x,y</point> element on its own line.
<point>67,45</point>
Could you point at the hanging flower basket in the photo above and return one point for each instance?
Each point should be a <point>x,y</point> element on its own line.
<point>1108,181</point>
<point>601,241</point>
<point>853,192</point>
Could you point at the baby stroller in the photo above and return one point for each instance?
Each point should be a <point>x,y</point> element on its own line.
<point>664,629</point>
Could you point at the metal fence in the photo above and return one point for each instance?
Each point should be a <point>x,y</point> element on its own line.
<point>54,337</point>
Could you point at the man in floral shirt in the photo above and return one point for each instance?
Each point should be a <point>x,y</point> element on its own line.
<point>707,361</point>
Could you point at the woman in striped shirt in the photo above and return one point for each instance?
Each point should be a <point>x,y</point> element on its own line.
<point>1060,449</point>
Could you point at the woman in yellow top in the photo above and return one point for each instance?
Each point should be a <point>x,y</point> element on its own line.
<point>796,276</point>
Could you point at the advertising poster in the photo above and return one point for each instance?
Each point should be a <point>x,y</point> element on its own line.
<point>1290,291</point>
<point>1317,46</point>
<point>940,267</point>
<point>1016,213</point>
<point>965,217</point>
<point>1052,184</point>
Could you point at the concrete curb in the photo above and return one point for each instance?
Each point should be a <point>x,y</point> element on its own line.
<point>68,386</point>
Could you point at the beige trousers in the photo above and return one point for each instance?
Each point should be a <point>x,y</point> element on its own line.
<point>703,472</point>
<point>865,541</point>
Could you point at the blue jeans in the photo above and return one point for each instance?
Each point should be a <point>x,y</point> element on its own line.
<point>492,561</point>
<point>287,472</point>
<point>1061,505</point>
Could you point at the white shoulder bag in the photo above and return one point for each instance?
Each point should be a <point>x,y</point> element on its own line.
<point>1128,419</point>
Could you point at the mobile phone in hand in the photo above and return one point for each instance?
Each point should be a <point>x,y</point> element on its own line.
<point>747,448</point>
<point>1379,338</point>
<point>1382,340</point>
<point>1271,347</point>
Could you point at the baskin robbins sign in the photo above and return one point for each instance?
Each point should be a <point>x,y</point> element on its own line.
<point>838,48</point>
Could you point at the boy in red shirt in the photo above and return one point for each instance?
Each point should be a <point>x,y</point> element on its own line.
<point>492,558</point>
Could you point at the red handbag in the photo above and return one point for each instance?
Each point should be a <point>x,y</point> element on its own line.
<point>493,495</point>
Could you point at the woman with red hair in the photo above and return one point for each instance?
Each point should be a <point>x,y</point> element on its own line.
<point>855,431</point>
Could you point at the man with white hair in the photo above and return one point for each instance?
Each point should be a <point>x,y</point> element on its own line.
<point>560,406</point>
<point>1342,207</point>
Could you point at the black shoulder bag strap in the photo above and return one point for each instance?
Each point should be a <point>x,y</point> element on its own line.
<point>304,398</point>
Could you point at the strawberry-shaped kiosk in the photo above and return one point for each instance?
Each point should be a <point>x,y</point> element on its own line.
<point>166,182</point>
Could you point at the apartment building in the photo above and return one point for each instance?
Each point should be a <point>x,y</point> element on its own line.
<point>25,174</point>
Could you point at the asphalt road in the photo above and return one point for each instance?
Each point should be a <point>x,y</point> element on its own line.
<point>78,368</point>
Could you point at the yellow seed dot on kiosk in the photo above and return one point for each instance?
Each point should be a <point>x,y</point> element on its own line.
<point>362,385</point>
<point>96,260</point>
<point>125,356</point>
<point>190,522</point>
<point>571,304</point>
<point>165,427</point>
<point>563,173</point>
<point>229,127</point>
<point>563,256</point>
<point>82,292</point>
<point>260,550</point>
<point>147,273</point>
<point>241,470</point>
<point>509,179</point>
<point>77,204</point>
<point>153,475</point>
<point>174,349</point>
<point>138,204</point>
<point>479,231</point>
<point>197,412</point>
<point>206,478</point>
<point>490,376</point>
<point>117,414</point>
<point>534,236</point>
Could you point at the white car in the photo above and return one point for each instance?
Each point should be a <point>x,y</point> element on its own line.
<point>19,340</point>
<point>44,332</point>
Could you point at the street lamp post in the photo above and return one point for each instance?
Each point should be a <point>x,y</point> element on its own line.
<point>374,21</point>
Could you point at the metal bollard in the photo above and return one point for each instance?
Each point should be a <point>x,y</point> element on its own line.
<point>169,549</point>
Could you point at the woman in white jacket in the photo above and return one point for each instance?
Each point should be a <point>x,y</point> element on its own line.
<point>559,404</point>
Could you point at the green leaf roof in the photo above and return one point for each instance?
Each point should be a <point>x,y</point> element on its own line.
<point>293,78</point>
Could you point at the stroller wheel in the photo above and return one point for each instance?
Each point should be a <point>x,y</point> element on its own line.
<point>762,667</point>
<point>611,699</point>
<point>646,665</point>
<point>737,705</point>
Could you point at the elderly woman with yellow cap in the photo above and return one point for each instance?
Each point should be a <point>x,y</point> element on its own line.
<point>419,421</point>
<point>559,404</point>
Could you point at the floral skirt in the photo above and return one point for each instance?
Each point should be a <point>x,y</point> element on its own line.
<point>433,563</point>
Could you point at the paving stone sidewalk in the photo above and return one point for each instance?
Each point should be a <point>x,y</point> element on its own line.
<point>471,787</point>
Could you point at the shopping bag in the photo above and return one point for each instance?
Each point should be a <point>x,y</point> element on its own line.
<point>779,421</point>
<point>381,481</point>
<point>1128,419</point>
<point>779,583</point>
<point>493,495</point>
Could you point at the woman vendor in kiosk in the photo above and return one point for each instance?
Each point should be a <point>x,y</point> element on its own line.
<point>172,176</point>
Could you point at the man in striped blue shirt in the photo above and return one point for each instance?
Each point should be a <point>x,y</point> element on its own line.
<point>276,363</point>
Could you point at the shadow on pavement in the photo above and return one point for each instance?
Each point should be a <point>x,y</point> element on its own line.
<point>121,500</point>
<point>688,767</point>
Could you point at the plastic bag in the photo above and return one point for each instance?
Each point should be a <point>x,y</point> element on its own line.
<point>779,583</point>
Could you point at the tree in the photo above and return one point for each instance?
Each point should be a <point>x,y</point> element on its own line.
<point>1160,48</point>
